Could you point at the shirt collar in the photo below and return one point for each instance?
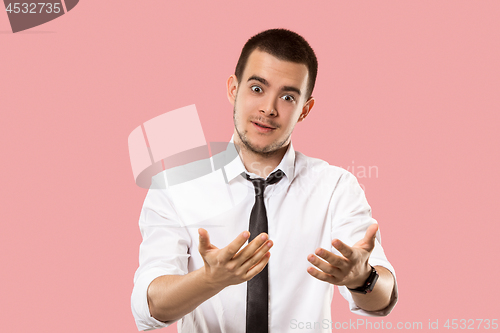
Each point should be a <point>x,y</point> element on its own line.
<point>234,168</point>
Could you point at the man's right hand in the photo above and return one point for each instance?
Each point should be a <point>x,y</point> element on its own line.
<point>227,266</point>
<point>171,297</point>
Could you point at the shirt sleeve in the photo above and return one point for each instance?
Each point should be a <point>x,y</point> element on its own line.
<point>351,217</point>
<point>164,251</point>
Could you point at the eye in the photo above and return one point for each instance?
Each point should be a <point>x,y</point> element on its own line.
<point>288,98</point>
<point>256,89</point>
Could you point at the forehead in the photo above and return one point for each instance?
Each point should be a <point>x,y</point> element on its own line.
<point>276,71</point>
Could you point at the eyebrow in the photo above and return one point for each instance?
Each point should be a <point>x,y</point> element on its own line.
<point>264,82</point>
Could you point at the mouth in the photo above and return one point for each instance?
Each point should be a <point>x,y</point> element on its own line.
<point>261,125</point>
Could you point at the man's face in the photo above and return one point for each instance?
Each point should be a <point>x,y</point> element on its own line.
<point>268,101</point>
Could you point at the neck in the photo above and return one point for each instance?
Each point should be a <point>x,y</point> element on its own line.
<point>261,164</point>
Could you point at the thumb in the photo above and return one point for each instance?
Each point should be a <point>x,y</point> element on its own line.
<point>204,241</point>
<point>369,239</point>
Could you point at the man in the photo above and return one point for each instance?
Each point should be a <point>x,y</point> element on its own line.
<point>319,226</point>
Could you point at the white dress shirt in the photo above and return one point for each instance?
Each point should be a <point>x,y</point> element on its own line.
<point>313,204</point>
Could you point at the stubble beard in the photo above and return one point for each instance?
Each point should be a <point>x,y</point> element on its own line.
<point>266,151</point>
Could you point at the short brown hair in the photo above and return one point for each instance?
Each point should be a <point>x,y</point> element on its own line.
<point>285,45</point>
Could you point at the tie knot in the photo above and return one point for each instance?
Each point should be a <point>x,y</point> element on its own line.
<point>260,184</point>
<point>275,177</point>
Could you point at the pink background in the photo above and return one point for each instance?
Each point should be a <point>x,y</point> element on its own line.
<point>409,87</point>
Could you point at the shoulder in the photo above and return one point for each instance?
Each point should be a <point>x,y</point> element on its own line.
<point>318,176</point>
<point>310,166</point>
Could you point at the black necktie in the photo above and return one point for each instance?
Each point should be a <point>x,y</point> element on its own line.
<point>258,287</point>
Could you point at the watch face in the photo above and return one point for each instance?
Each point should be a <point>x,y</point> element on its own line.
<point>371,284</point>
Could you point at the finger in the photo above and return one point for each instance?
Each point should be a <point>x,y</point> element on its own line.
<point>233,247</point>
<point>332,259</point>
<point>204,241</point>
<point>323,265</point>
<point>256,269</point>
<point>369,240</point>
<point>343,248</point>
<point>321,275</point>
<point>249,250</point>
<point>257,256</point>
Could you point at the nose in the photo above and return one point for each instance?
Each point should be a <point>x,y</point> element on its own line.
<point>268,107</point>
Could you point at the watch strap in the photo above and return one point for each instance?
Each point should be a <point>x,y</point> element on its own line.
<point>367,287</point>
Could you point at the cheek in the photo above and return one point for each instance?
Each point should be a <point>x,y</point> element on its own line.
<point>249,103</point>
<point>245,105</point>
<point>289,113</point>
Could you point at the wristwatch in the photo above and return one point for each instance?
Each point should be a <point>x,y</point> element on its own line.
<point>367,287</point>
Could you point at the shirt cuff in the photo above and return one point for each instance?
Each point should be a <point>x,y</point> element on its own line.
<point>139,300</point>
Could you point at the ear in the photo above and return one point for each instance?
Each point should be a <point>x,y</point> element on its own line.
<point>306,109</point>
<point>232,88</point>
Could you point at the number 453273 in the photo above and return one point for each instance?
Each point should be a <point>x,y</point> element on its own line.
<point>31,8</point>
<point>471,324</point>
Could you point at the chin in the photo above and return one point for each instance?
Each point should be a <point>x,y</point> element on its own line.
<point>257,143</point>
<point>267,148</point>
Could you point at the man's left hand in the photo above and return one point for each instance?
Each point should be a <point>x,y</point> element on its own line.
<point>352,268</point>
